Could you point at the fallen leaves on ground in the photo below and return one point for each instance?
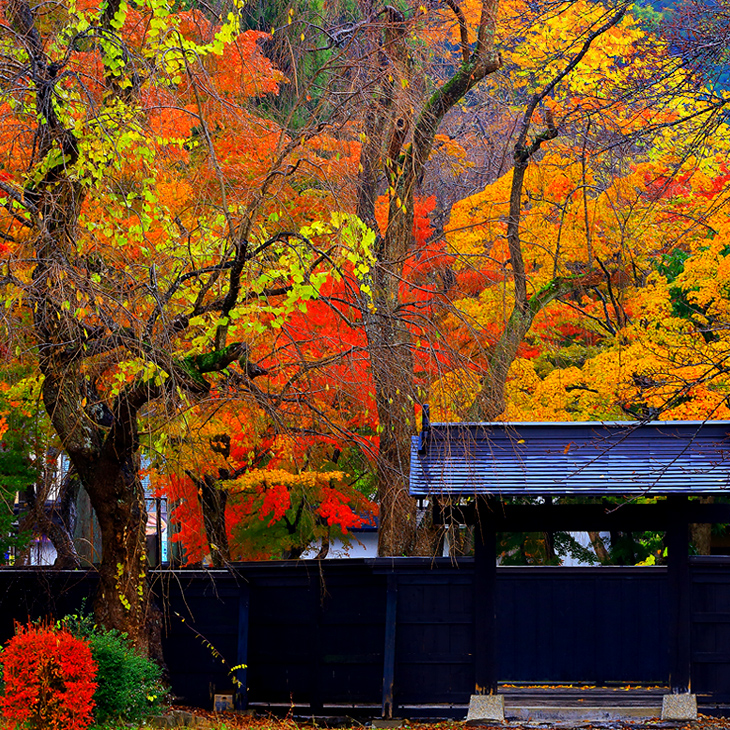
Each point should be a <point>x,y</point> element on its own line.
<point>243,721</point>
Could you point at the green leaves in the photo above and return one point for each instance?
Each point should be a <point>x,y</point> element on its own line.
<point>120,16</point>
<point>167,44</point>
<point>357,243</point>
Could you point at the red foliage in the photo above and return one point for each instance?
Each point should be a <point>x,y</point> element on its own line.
<point>329,331</point>
<point>472,282</point>
<point>423,267</point>
<point>337,512</point>
<point>186,514</point>
<point>277,501</point>
<point>668,185</point>
<point>49,680</point>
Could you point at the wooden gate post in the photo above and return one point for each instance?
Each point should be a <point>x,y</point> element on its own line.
<point>485,600</point>
<point>485,705</point>
<point>678,579</point>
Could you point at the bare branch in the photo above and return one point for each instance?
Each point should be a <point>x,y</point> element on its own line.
<point>463,33</point>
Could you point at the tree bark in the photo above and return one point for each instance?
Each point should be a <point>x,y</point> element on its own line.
<point>78,345</point>
<point>401,164</point>
<point>392,366</point>
<point>599,548</point>
<point>213,501</point>
<point>104,455</point>
<point>118,500</point>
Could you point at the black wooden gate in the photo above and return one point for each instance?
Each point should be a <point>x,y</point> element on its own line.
<point>575,625</point>
<point>710,639</point>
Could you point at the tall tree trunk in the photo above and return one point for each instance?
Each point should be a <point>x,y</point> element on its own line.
<point>392,368</point>
<point>122,598</point>
<point>213,500</point>
<point>599,548</point>
<point>102,447</point>
<point>387,155</point>
<point>78,345</point>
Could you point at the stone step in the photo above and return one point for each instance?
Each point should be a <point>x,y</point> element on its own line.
<point>583,696</point>
<point>566,713</point>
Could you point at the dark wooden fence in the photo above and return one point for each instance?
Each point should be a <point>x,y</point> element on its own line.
<point>327,636</point>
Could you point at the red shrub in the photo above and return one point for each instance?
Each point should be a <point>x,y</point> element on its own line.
<point>49,679</point>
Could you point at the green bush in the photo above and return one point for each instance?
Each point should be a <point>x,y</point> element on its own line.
<point>130,686</point>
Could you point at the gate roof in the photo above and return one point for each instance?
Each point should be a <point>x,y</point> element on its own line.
<point>660,457</point>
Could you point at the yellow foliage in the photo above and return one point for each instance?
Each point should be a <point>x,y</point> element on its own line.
<point>263,477</point>
<point>451,394</point>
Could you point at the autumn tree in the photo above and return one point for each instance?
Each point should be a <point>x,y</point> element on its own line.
<point>640,224</point>
<point>142,258</point>
<point>568,78</point>
<point>399,134</point>
<point>663,357</point>
<point>548,52</point>
<point>247,486</point>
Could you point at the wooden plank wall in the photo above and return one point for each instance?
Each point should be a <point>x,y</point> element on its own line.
<point>582,625</point>
<point>401,632</point>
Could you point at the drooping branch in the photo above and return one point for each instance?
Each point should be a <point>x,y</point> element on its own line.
<point>377,116</point>
<point>27,204</point>
<point>124,91</point>
<point>175,287</point>
<point>186,373</point>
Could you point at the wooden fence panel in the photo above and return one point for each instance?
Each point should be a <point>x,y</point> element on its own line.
<point>592,625</point>
<point>434,635</point>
